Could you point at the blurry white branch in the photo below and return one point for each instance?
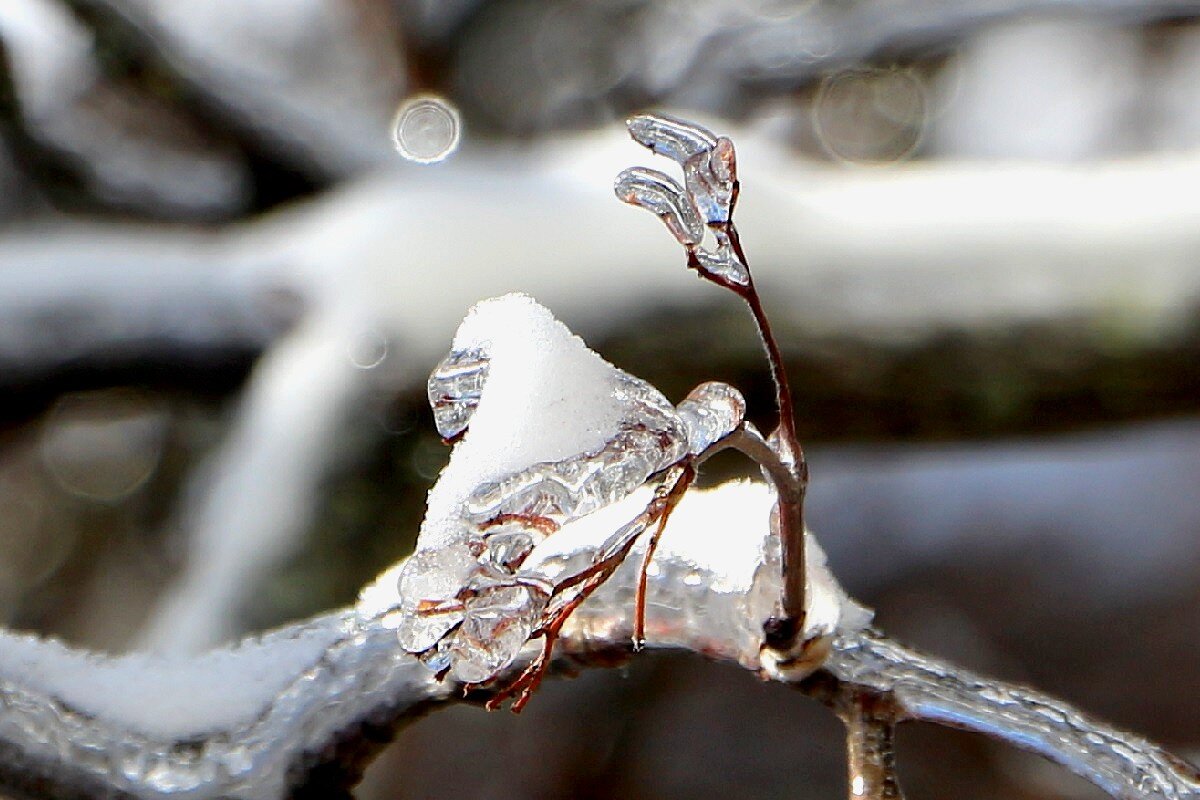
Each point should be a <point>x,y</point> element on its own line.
<point>317,699</point>
<point>387,258</point>
<point>884,251</point>
<point>244,510</point>
<point>826,36</point>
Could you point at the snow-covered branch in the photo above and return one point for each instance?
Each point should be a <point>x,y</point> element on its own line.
<point>300,711</point>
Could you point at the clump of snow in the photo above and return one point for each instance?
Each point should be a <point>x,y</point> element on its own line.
<point>165,697</point>
<point>547,398</point>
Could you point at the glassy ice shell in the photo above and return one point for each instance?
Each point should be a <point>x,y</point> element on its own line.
<point>497,625</point>
<point>454,388</point>
<point>709,413</point>
<point>432,578</point>
<point>651,437</point>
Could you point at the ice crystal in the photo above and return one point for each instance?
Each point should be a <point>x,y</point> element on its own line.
<point>707,197</point>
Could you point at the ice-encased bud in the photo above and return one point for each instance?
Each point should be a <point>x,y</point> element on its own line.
<point>497,625</point>
<point>429,580</point>
<point>454,387</point>
<point>662,196</point>
<point>711,181</point>
<point>667,136</point>
<point>711,412</point>
<point>506,546</point>
<point>723,262</point>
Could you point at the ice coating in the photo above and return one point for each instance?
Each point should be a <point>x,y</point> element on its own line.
<point>547,398</point>
<point>707,197</point>
<point>548,432</point>
<point>709,413</point>
<point>662,196</point>
<point>171,698</point>
<point>454,388</point>
<point>667,136</point>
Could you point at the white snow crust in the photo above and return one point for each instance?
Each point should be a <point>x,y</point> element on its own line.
<point>164,697</point>
<point>547,397</point>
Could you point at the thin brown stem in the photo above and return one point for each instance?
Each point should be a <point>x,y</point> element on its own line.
<point>870,745</point>
<point>673,497</point>
<point>782,633</point>
<point>666,497</point>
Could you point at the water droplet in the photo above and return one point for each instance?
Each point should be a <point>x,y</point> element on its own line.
<point>426,129</point>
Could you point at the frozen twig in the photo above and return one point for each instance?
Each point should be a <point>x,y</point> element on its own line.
<point>870,743</point>
<point>318,732</point>
<point>706,201</point>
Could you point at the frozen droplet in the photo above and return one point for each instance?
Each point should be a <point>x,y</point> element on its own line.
<point>426,129</point>
<point>454,388</point>
<point>497,625</point>
<point>423,631</point>
<point>662,196</point>
<point>674,138</point>
<point>508,545</point>
<point>435,575</point>
<point>709,413</point>
<point>428,585</point>
<point>438,657</point>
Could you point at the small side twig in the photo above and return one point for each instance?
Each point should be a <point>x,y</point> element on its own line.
<point>706,201</point>
<point>870,744</point>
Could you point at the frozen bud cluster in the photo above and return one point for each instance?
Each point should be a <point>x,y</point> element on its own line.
<point>707,196</point>
<point>547,433</point>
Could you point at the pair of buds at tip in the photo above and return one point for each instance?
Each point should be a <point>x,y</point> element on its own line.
<point>705,200</point>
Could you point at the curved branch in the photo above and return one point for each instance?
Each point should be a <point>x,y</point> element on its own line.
<point>338,707</point>
<point>927,689</point>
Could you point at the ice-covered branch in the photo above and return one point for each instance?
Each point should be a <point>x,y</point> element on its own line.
<point>300,711</point>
